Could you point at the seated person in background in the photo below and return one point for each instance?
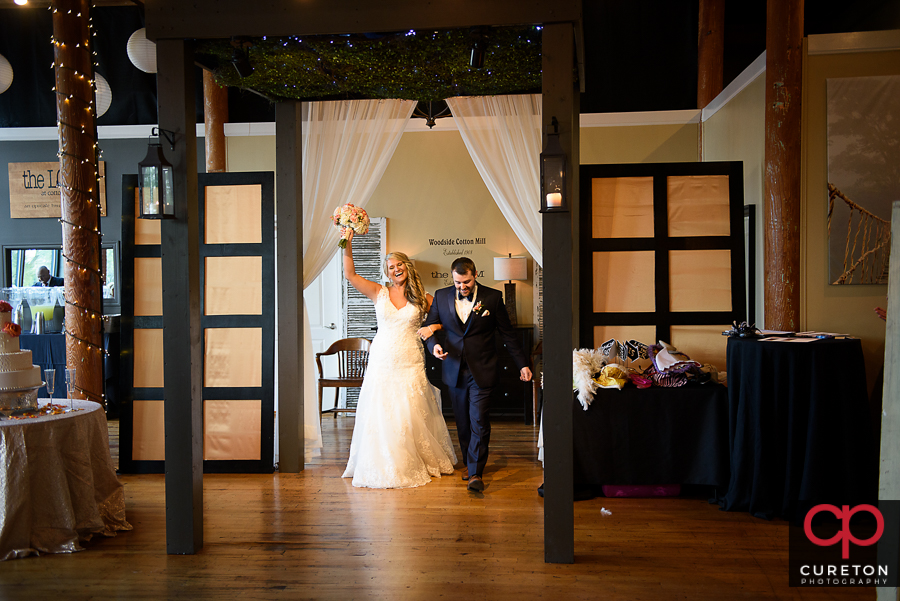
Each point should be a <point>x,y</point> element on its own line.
<point>45,279</point>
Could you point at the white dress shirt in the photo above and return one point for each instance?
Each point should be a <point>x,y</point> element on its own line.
<point>464,306</point>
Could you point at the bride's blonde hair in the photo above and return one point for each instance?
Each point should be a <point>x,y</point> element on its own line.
<point>415,291</point>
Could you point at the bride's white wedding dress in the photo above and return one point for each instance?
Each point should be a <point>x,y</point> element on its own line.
<point>400,439</point>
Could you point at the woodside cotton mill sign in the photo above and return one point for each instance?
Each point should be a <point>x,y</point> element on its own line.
<point>34,190</point>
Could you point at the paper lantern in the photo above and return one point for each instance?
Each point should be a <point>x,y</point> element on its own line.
<point>141,51</point>
<point>6,74</point>
<point>103,94</point>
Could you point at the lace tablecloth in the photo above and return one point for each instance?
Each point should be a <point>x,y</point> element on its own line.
<point>58,486</point>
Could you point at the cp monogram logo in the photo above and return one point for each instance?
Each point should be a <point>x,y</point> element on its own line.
<point>845,536</point>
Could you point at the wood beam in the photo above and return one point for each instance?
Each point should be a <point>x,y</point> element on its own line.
<point>710,51</point>
<point>224,18</point>
<point>215,116</point>
<point>560,233</point>
<point>289,257</point>
<point>180,247</point>
<point>79,196</point>
<point>784,70</point>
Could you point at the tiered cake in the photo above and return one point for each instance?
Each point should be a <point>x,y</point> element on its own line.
<point>16,371</point>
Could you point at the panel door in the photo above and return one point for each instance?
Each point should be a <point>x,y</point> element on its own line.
<point>662,255</point>
<point>237,274</point>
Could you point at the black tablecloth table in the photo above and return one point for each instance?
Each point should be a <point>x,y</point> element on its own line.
<point>651,436</point>
<point>799,426</point>
<point>48,351</point>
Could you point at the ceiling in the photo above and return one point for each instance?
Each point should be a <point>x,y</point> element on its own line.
<point>46,3</point>
<point>640,55</point>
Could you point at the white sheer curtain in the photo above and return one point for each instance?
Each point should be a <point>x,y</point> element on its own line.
<point>503,135</point>
<point>347,145</point>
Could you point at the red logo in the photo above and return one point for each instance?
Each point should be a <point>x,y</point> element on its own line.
<point>845,536</point>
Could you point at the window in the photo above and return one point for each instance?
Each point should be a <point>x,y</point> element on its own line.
<point>22,265</point>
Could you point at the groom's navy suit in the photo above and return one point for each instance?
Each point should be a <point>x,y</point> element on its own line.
<point>470,367</point>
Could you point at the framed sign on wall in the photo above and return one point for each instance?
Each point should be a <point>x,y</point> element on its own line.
<point>34,190</point>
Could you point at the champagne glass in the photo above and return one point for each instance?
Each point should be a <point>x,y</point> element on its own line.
<point>50,376</point>
<point>70,387</point>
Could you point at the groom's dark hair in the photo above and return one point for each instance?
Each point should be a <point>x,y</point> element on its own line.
<point>464,265</point>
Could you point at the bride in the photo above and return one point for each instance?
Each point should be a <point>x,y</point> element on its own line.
<point>400,439</point>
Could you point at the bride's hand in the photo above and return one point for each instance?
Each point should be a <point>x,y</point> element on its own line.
<point>425,333</point>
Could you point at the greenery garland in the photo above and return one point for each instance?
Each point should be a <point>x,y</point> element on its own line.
<point>413,65</point>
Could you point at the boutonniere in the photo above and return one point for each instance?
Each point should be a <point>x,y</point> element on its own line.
<point>479,309</point>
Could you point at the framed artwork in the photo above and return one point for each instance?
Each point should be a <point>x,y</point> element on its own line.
<point>863,176</point>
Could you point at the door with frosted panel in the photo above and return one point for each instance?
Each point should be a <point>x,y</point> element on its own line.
<point>662,255</point>
<point>237,274</point>
<point>141,424</point>
<point>237,277</point>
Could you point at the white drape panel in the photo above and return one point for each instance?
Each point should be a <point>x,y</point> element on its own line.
<point>503,136</point>
<point>347,145</point>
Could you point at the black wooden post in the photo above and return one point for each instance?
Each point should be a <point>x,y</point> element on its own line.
<point>289,257</point>
<point>560,100</point>
<point>180,249</point>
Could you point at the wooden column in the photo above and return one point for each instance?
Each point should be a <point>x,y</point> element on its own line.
<point>710,51</point>
<point>289,258</point>
<point>79,195</point>
<point>215,116</point>
<point>180,247</point>
<point>784,70</point>
<point>560,232</point>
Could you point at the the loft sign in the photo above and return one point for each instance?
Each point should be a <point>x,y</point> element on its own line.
<point>34,190</point>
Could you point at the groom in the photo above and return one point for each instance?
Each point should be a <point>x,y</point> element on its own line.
<point>470,315</point>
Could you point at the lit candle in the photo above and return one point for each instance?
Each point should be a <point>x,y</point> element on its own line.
<point>554,199</point>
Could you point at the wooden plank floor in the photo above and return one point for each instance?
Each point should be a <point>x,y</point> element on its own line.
<point>313,536</point>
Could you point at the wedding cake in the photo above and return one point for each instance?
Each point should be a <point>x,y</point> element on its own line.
<point>16,370</point>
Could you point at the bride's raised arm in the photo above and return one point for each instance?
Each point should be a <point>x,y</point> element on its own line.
<point>366,288</point>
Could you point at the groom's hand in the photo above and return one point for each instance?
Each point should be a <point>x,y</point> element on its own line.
<point>525,374</point>
<point>439,352</point>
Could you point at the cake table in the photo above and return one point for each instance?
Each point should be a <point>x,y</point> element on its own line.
<point>58,486</point>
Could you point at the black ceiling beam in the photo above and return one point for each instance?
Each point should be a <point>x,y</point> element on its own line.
<point>205,19</point>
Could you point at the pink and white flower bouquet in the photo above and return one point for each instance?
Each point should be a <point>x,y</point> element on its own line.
<point>350,216</point>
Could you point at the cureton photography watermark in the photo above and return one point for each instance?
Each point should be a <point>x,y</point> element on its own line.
<point>839,544</point>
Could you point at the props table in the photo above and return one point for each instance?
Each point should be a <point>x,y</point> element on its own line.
<point>652,436</point>
<point>799,426</point>
<point>58,484</point>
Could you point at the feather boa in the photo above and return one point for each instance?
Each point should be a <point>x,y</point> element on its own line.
<point>586,363</point>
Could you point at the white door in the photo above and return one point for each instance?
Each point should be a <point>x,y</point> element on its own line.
<point>326,314</point>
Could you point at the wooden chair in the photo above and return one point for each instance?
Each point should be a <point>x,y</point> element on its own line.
<point>353,356</point>
<point>536,356</point>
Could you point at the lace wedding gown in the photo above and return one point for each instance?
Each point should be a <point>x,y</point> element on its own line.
<point>400,439</point>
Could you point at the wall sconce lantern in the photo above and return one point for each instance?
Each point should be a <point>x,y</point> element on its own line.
<point>553,174</point>
<point>155,179</point>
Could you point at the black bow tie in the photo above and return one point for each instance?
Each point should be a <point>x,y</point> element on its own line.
<point>460,296</point>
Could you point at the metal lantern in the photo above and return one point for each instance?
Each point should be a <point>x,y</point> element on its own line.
<point>553,174</point>
<point>155,180</point>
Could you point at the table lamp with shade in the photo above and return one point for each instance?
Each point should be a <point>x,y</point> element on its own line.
<point>510,268</point>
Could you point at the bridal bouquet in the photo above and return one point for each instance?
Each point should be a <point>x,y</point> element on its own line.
<point>350,216</point>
